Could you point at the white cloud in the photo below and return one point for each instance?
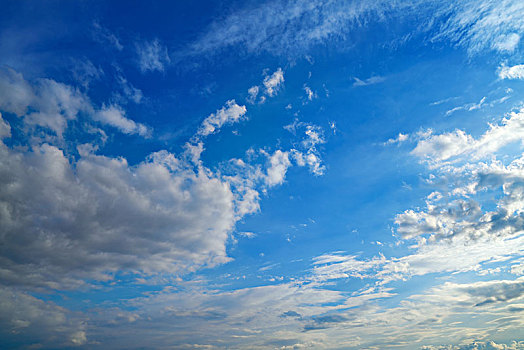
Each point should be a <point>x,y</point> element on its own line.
<point>482,25</point>
<point>399,139</point>
<point>507,42</point>
<point>309,93</point>
<point>52,104</point>
<point>273,82</point>
<point>478,345</point>
<point>276,172</point>
<point>47,103</point>
<point>307,154</point>
<point>514,72</point>
<point>63,221</point>
<point>229,114</point>
<point>115,116</point>
<point>472,24</point>
<point>152,56</point>
<point>290,28</point>
<point>369,81</point>
<point>446,146</point>
<point>253,92</point>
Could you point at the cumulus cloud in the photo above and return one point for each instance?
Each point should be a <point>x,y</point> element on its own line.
<point>152,56</point>
<point>479,345</point>
<point>513,72</point>
<point>62,220</point>
<point>115,116</point>
<point>276,172</point>
<point>229,114</point>
<point>47,103</point>
<point>446,146</point>
<point>307,152</point>
<point>399,139</point>
<point>5,128</point>
<point>28,320</point>
<point>273,82</point>
<point>269,88</point>
<point>50,104</point>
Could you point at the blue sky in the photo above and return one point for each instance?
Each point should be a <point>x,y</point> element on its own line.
<point>263,175</point>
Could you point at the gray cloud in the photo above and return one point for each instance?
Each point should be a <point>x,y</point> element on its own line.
<point>28,320</point>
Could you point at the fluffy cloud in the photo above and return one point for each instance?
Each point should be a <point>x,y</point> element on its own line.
<point>443,147</point>
<point>513,72</point>
<point>51,105</point>
<point>270,85</point>
<point>48,103</point>
<point>276,172</point>
<point>273,82</point>
<point>26,319</point>
<point>230,113</point>
<point>115,116</point>
<point>61,219</point>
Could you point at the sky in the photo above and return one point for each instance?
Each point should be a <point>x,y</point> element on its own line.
<point>317,174</point>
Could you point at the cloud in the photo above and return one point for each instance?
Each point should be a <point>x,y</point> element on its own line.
<point>446,146</point>
<point>273,82</point>
<point>50,104</point>
<point>103,36</point>
<point>276,172</point>
<point>291,29</point>
<point>514,72</point>
<point>369,81</point>
<point>129,90</point>
<point>5,128</point>
<point>152,56</point>
<point>28,320</point>
<point>115,116</point>
<point>85,72</point>
<point>507,42</point>
<point>62,220</point>
<point>271,85</point>
<point>47,103</point>
<point>308,154</point>
<point>281,27</point>
<point>478,345</point>
<point>399,139</point>
<point>253,92</point>
<point>309,93</point>
<point>229,114</point>
<point>482,25</point>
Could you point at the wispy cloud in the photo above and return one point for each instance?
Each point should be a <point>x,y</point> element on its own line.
<point>152,56</point>
<point>369,81</point>
<point>104,36</point>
